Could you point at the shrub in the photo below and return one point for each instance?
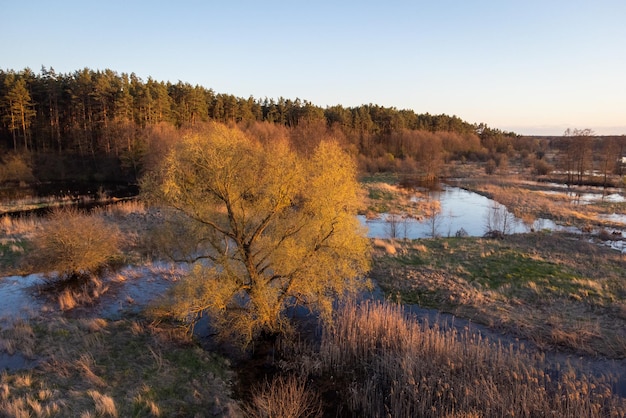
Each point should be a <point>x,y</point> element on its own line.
<point>490,167</point>
<point>16,168</point>
<point>284,397</point>
<point>542,167</point>
<point>72,243</point>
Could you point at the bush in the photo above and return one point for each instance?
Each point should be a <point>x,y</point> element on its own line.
<point>72,243</point>
<point>490,167</point>
<point>16,168</point>
<point>284,397</point>
<point>542,167</point>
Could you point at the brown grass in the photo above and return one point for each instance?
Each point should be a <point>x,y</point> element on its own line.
<point>19,337</point>
<point>529,201</point>
<point>122,209</point>
<point>555,289</point>
<point>23,226</point>
<point>82,291</point>
<point>386,363</point>
<point>93,367</point>
<point>384,197</point>
<point>105,405</point>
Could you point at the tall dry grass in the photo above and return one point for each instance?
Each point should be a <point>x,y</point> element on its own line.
<point>530,201</point>
<point>392,365</point>
<point>25,225</point>
<point>122,208</point>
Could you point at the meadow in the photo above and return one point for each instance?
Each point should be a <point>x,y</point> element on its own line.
<point>559,293</point>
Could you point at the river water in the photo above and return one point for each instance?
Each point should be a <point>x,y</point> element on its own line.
<point>462,212</point>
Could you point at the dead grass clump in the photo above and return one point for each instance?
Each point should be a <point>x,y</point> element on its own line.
<point>393,365</point>
<point>86,365</point>
<point>419,248</point>
<point>105,405</point>
<point>79,291</point>
<point>67,301</point>
<point>387,246</point>
<point>287,397</point>
<point>93,324</point>
<point>145,406</point>
<point>18,337</point>
<point>25,225</point>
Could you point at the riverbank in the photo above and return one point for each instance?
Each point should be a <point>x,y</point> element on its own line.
<point>563,286</point>
<point>586,208</point>
<point>555,289</point>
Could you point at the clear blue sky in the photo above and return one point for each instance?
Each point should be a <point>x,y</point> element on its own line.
<point>531,66</point>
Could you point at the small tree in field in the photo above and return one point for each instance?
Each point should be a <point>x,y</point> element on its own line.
<point>72,243</point>
<point>276,228</point>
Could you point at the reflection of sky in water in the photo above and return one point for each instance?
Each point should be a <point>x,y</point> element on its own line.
<point>19,295</point>
<point>16,296</point>
<point>459,209</point>
<point>586,198</point>
<point>614,217</point>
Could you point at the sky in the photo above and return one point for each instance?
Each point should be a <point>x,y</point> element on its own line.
<point>534,67</point>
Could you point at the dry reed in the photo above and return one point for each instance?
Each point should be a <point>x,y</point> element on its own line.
<point>393,365</point>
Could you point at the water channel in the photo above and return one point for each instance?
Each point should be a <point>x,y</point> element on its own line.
<point>461,210</point>
<point>462,213</point>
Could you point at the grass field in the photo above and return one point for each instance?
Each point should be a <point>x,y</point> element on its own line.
<point>94,367</point>
<point>555,289</point>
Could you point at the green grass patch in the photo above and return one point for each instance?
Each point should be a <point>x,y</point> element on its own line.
<point>556,289</point>
<point>127,366</point>
<point>377,194</point>
<point>389,178</point>
<point>11,252</point>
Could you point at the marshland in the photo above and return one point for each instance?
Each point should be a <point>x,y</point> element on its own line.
<point>307,263</point>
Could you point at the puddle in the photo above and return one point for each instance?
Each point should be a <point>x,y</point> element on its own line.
<point>131,290</point>
<point>18,296</point>
<point>15,362</point>
<point>616,245</point>
<point>619,218</point>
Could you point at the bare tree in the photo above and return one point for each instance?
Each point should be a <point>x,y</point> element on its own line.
<point>499,220</point>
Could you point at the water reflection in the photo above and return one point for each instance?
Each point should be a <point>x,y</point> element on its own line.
<point>462,213</point>
<point>580,198</point>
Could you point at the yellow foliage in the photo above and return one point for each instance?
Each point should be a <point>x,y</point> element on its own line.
<point>278,228</point>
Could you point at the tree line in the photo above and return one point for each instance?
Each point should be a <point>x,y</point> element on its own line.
<point>583,157</point>
<point>101,115</point>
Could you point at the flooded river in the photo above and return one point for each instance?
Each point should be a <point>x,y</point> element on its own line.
<point>462,212</point>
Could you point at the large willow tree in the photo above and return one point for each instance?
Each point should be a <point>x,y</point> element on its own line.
<point>278,229</point>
